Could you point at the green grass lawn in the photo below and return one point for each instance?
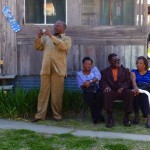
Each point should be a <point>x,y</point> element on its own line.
<point>22,105</point>
<point>76,122</point>
<point>29,140</point>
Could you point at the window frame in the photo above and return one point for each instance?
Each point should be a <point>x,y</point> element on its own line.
<point>45,16</point>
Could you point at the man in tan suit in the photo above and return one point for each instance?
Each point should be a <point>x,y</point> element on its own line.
<point>54,69</point>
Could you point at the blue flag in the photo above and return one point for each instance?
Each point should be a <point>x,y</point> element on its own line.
<point>11,19</point>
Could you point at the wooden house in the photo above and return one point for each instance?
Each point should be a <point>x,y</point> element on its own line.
<point>97,28</point>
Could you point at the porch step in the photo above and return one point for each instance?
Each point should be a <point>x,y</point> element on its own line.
<point>6,87</point>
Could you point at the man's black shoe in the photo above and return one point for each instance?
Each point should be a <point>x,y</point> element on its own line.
<point>126,122</point>
<point>96,121</point>
<point>136,119</point>
<point>57,120</point>
<point>148,124</point>
<point>99,119</point>
<point>110,123</point>
<point>36,120</point>
<point>102,119</point>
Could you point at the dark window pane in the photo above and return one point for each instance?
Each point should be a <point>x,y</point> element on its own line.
<point>34,11</point>
<point>56,10</point>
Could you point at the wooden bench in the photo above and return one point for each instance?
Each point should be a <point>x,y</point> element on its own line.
<point>4,82</point>
<point>6,87</point>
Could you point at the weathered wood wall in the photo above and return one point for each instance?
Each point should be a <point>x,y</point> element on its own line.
<point>98,42</point>
<point>8,48</point>
<point>94,41</point>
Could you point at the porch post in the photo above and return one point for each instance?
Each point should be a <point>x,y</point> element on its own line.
<point>111,12</point>
<point>145,12</point>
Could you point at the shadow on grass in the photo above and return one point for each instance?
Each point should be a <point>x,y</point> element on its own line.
<point>75,121</point>
<point>116,147</point>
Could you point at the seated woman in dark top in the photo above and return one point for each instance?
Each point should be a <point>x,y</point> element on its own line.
<point>141,80</point>
<point>87,80</point>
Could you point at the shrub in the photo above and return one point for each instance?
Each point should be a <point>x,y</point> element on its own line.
<point>72,101</point>
<point>23,103</point>
<point>19,103</point>
<point>116,147</point>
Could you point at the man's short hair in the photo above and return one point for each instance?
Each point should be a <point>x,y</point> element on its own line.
<point>110,56</point>
<point>63,23</point>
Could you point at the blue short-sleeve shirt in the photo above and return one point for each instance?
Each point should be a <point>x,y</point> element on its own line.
<point>142,78</point>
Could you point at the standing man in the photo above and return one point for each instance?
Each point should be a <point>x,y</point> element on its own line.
<point>54,68</point>
<point>116,83</point>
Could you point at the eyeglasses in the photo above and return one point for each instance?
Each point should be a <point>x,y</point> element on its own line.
<point>116,61</point>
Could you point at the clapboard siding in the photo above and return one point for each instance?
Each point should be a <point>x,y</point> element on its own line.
<point>29,60</point>
<point>95,41</point>
<point>8,40</point>
<point>99,54</point>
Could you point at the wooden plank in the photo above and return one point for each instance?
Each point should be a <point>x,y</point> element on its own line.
<point>119,50</point>
<point>100,57</point>
<point>8,41</point>
<point>35,60</point>
<point>134,54</point>
<point>111,13</point>
<point>74,18</point>
<point>98,32</point>
<point>127,56</point>
<point>10,76</point>
<point>3,32</point>
<point>73,59</point>
<point>23,60</point>
<point>135,12</point>
<point>6,87</point>
<point>20,11</point>
<point>110,41</point>
<point>29,60</point>
<point>80,40</point>
<point>145,12</point>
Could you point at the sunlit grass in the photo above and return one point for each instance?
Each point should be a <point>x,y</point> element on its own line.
<point>76,122</point>
<point>29,140</point>
<point>22,104</point>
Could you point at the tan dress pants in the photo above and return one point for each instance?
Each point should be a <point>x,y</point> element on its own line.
<point>50,85</point>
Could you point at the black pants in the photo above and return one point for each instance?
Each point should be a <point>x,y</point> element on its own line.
<point>95,102</point>
<point>141,101</point>
<point>126,96</point>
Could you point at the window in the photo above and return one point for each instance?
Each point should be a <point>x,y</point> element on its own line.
<point>45,11</point>
<point>107,12</point>
<point>90,12</point>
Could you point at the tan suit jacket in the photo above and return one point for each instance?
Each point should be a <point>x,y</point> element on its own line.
<point>55,53</point>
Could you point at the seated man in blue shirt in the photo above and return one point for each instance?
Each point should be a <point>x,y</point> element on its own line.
<point>88,80</point>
